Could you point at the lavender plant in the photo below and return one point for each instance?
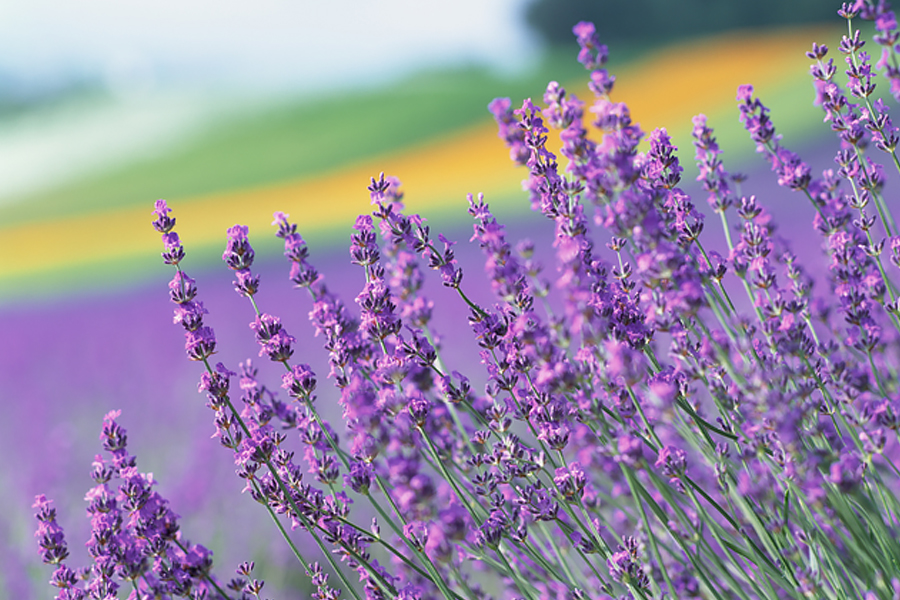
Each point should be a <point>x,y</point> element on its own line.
<point>662,420</point>
<point>135,542</point>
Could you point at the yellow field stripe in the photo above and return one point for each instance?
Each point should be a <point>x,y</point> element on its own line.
<point>666,88</point>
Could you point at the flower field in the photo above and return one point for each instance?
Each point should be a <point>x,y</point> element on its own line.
<point>622,408</point>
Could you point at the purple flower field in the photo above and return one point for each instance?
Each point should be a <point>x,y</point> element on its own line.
<point>121,351</point>
<point>635,406</point>
<point>95,353</point>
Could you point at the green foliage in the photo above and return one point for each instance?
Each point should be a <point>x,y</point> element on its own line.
<point>296,138</point>
<point>655,21</point>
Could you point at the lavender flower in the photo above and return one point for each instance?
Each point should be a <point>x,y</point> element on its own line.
<point>135,536</point>
<point>631,428</point>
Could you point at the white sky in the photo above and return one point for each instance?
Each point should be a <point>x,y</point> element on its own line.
<point>268,43</point>
<point>168,61</point>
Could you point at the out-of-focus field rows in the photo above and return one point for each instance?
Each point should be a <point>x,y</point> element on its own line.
<point>313,160</point>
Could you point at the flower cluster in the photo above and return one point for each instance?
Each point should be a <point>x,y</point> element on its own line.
<point>136,542</point>
<point>654,417</point>
<point>200,341</point>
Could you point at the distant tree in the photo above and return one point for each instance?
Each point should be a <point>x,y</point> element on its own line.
<point>644,21</point>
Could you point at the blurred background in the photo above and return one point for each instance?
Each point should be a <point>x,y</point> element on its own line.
<point>232,110</point>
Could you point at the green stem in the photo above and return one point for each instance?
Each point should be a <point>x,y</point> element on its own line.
<point>629,476</point>
<point>523,587</point>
